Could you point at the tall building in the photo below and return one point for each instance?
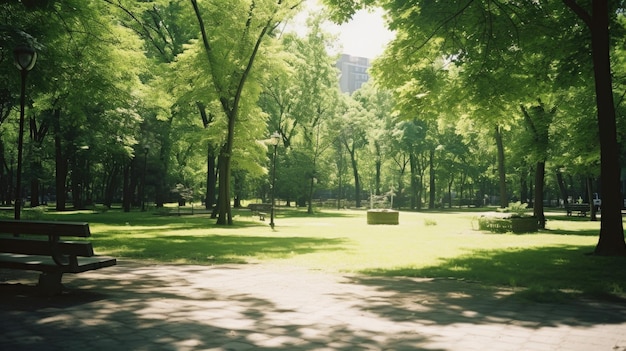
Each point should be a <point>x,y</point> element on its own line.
<point>353,72</point>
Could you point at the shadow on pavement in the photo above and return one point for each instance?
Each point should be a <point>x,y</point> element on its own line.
<point>135,306</point>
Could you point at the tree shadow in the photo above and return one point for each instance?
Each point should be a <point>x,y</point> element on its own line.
<point>538,274</point>
<point>164,307</point>
<point>217,249</point>
<point>160,308</point>
<point>578,232</point>
<point>458,301</point>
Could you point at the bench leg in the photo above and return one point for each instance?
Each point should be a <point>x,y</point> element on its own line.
<point>50,283</point>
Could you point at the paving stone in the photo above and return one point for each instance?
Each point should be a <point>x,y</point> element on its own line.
<point>269,307</point>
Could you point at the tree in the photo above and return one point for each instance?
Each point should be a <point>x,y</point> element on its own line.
<point>313,96</point>
<point>231,55</point>
<point>164,27</point>
<point>87,69</point>
<point>351,133</point>
<point>537,121</point>
<point>377,104</point>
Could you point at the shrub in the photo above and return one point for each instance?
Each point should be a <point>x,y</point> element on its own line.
<point>517,209</point>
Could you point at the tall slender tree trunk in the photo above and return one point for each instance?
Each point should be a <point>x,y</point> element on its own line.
<point>414,175</point>
<point>162,189</point>
<point>224,212</point>
<point>562,187</point>
<point>61,162</point>
<point>592,208</point>
<point>611,241</point>
<point>538,212</point>
<point>126,188</point>
<point>433,189</point>
<point>501,169</point>
<point>378,165</point>
<point>310,196</point>
<point>211,179</point>
<point>357,179</point>
<point>6,176</point>
<point>523,192</point>
<point>211,171</point>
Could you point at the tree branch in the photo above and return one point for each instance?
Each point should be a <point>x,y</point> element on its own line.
<point>579,11</point>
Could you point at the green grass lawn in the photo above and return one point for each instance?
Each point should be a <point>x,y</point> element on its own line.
<point>424,244</point>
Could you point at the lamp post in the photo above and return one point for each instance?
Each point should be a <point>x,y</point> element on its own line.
<point>143,181</point>
<point>274,140</point>
<point>24,59</point>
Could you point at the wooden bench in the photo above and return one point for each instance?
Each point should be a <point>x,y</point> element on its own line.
<point>260,210</point>
<point>582,209</point>
<point>37,246</point>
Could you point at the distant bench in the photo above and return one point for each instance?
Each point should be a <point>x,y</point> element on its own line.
<point>582,209</point>
<point>260,210</point>
<point>37,246</point>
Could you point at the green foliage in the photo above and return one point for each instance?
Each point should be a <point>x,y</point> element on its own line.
<point>518,209</point>
<point>36,213</point>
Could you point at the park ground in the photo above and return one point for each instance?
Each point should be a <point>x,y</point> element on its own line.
<point>326,281</point>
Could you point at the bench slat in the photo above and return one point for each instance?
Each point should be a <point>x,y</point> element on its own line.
<point>48,228</point>
<point>46,263</point>
<point>43,247</point>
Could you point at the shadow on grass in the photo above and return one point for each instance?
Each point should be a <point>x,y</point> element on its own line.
<point>578,232</point>
<point>538,274</point>
<point>241,217</point>
<point>564,217</point>
<point>213,249</point>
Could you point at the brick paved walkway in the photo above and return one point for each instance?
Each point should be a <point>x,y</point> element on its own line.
<point>268,307</point>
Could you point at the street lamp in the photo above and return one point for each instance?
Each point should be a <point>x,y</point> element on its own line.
<point>274,140</point>
<point>143,181</point>
<point>24,59</point>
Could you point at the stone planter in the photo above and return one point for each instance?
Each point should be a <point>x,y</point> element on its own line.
<point>382,217</point>
<point>524,224</point>
<point>516,225</point>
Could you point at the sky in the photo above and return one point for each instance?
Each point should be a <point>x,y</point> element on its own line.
<point>365,35</point>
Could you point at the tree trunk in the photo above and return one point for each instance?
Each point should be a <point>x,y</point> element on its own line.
<point>540,171</point>
<point>449,195</point>
<point>61,163</point>
<point>340,186</point>
<point>523,192</point>
<point>310,196</point>
<point>34,191</point>
<point>414,175</point>
<point>562,187</point>
<point>378,165</point>
<point>161,188</point>
<point>611,241</point>
<point>211,171</point>
<point>126,188</point>
<point>224,214</point>
<point>433,192</point>
<point>111,185</point>
<point>357,181</point>
<point>501,169</point>
<point>592,209</point>
<point>211,178</point>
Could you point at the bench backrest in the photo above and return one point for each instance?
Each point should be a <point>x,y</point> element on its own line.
<point>47,228</point>
<point>45,247</point>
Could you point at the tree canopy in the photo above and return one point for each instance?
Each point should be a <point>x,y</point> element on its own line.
<point>473,103</point>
